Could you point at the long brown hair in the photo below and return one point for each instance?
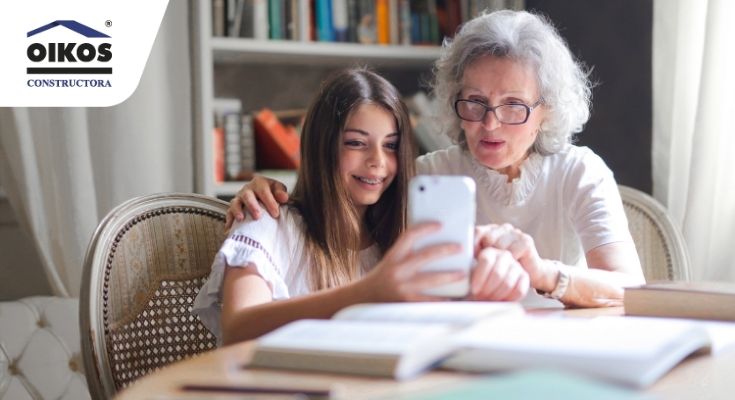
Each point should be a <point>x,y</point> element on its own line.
<point>331,222</point>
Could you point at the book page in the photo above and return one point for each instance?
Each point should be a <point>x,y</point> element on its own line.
<point>722,335</point>
<point>450,312</point>
<point>610,337</point>
<point>353,336</point>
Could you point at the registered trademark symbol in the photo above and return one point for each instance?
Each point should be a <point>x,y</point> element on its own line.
<point>108,23</point>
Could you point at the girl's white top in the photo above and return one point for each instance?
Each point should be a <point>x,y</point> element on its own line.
<point>275,249</point>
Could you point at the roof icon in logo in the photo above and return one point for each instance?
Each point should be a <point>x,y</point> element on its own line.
<point>70,24</point>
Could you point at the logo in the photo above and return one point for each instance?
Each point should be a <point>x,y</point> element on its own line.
<point>71,57</point>
<point>72,54</point>
<point>75,53</point>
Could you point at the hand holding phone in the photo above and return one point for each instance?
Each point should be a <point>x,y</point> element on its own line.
<point>449,200</point>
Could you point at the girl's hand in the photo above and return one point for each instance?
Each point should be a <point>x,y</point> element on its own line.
<point>270,192</point>
<point>398,276</point>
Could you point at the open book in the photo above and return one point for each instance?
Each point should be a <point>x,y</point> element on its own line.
<point>633,351</point>
<point>397,340</point>
<point>401,340</point>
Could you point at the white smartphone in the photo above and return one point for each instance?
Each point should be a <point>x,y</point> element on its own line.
<point>449,200</point>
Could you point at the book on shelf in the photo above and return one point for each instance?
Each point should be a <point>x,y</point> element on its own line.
<point>234,143</point>
<point>358,21</point>
<point>247,147</point>
<point>699,300</point>
<point>226,141</point>
<point>340,20</point>
<point>277,145</point>
<point>382,21</point>
<point>218,154</point>
<point>397,340</point>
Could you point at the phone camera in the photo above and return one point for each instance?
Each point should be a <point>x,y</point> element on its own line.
<point>421,188</point>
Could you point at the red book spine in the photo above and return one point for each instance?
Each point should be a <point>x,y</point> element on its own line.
<point>218,148</point>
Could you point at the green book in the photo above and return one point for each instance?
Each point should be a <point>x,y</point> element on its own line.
<point>534,384</point>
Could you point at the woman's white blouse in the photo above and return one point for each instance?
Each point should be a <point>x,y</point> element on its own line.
<point>568,202</point>
<point>275,248</point>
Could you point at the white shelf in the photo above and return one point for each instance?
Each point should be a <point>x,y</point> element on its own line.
<point>230,188</point>
<point>209,52</point>
<point>238,50</point>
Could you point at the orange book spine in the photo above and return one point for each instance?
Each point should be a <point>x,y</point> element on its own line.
<point>278,146</point>
<point>382,21</point>
<point>218,155</point>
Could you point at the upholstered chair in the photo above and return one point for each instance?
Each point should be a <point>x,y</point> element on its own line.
<point>40,356</point>
<point>144,267</point>
<point>661,247</point>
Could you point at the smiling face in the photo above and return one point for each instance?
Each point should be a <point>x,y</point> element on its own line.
<point>494,81</point>
<point>367,154</point>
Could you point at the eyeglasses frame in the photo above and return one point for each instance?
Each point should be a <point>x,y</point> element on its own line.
<point>488,109</point>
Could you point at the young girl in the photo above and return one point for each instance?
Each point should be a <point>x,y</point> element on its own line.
<point>347,209</point>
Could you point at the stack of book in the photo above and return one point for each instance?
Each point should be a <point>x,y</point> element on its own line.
<point>234,141</point>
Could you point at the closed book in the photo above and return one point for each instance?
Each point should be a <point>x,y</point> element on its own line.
<point>382,21</point>
<point>234,21</point>
<point>219,18</point>
<point>276,19</point>
<point>304,18</point>
<point>699,300</point>
<point>324,27</point>
<point>397,340</point>
<point>247,145</point>
<point>233,150</point>
<point>218,153</point>
<point>394,24</point>
<point>261,26</point>
<point>353,20</point>
<point>433,27</point>
<point>339,20</point>
<point>277,145</point>
<point>405,21</point>
<point>246,19</point>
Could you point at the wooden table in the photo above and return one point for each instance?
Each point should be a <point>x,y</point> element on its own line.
<point>699,377</point>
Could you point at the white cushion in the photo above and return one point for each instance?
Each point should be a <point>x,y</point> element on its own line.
<point>40,356</point>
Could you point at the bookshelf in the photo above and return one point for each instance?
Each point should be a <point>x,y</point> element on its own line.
<point>223,63</point>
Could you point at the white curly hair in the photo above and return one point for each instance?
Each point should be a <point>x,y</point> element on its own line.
<point>530,39</point>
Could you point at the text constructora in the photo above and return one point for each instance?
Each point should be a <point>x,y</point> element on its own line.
<point>69,83</point>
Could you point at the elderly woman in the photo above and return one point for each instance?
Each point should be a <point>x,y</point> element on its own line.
<point>513,97</point>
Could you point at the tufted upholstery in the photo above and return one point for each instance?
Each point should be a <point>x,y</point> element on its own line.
<point>143,269</point>
<point>39,350</point>
<point>661,247</point>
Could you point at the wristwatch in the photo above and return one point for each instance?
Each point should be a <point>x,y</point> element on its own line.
<point>562,284</point>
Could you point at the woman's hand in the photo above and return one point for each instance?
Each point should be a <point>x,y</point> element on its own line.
<point>398,276</point>
<point>270,192</point>
<point>497,276</point>
<point>521,247</point>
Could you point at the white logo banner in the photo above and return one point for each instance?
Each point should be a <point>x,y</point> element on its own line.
<point>74,53</point>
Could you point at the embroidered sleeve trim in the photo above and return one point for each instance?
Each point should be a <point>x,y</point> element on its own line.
<point>250,242</point>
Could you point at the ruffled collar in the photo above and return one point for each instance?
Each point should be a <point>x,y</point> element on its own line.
<point>496,186</point>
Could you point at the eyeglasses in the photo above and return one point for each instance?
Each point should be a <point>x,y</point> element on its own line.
<point>509,114</point>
